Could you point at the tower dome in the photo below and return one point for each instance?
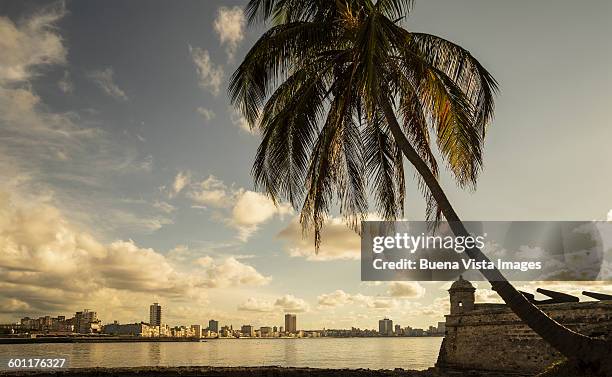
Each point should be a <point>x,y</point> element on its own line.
<point>461,284</point>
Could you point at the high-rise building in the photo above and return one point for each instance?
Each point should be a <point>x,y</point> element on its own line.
<point>86,322</point>
<point>385,327</point>
<point>398,330</point>
<point>213,325</point>
<point>290,323</point>
<point>247,330</point>
<point>155,314</point>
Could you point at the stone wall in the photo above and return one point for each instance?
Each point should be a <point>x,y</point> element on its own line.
<point>492,338</point>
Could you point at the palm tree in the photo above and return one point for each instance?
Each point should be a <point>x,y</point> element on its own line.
<point>341,94</point>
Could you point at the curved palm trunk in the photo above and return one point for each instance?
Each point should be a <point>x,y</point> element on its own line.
<point>571,344</point>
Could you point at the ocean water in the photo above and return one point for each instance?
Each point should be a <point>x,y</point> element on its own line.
<point>372,353</point>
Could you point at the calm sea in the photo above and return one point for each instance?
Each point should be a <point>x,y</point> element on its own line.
<point>373,353</point>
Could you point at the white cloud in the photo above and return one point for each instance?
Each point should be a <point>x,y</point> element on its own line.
<point>210,76</point>
<point>49,265</point>
<point>229,25</point>
<point>406,289</point>
<point>336,298</point>
<point>292,304</point>
<point>30,44</point>
<point>207,114</point>
<point>211,192</point>
<point>253,209</point>
<point>240,121</point>
<point>254,305</point>
<point>287,303</point>
<point>65,83</point>
<point>337,241</point>
<point>164,207</point>
<point>106,81</point>
<point>182,179</point>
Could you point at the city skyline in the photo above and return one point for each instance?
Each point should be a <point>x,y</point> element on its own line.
<point>125,175</point>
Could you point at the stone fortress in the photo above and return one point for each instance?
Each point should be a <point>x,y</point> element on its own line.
<point>490,338</point>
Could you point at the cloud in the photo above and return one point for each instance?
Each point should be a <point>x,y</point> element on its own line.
<point>211,192</point>
<point>164,207</point>
<point>406,289</point>
<point>243,210</point>
<point>210,76</point>
<point>336,298</point>
<point>240,121</point>
<point>105,80</point>
<point>229,25</point>
<point>65,83</point>
<point>31,44</point>
<point>207,114</point>
<point>340,298</point>
<point>287,303</point>
<point>290,303</point>
<point>47,265</point>
<point>253,209</point>
<point>338,242</point>
<point>182,179</point>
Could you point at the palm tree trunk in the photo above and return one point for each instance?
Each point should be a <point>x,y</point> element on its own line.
<point>570,343</point>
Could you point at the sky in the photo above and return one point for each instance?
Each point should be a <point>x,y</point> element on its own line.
<point>125,173</point>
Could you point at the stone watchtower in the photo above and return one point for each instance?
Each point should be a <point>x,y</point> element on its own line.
<point>461,296</point>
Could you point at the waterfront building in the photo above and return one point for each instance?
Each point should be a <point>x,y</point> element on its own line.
<point>213,325</point>
<point>197,330</point>
<point>130,329</point>
<point>385,327</point>
<point>265,332</point>
<point>290,323</point>
<point>87,322</point>
<point>155,314</point>
<point>247,330</point>
<point>398,330</point>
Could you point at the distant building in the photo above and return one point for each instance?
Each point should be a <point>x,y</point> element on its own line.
<point>290,323</point>
<point>197,330</point>
<point>87,322</point>
<point>247,330</point>
<point>155,314</point>
<point>213,325</point>
<point>133,329</point>
<point>398,330</point>
<point>385,327</point>
<point>265,332</point>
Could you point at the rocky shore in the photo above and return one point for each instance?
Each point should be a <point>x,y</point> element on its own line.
<point>267,371</point>
<point>219,372</point>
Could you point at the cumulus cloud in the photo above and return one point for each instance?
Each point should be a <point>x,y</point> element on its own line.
<point>105,80</point>
<point>242,209</point>
<point>47,264</point>
<point>406,289</point>
<point>241,122</point>
<point>211,192</point>
<point>253,209</point>
<point>207,114</point>
<point>182,179</point>
<point>338,241</point>
<point>287,303</point>
<point>229,25</point>
<point>30,44</point>
<point>335,298</point>
<point>340,298</point>
<point>210,75</point>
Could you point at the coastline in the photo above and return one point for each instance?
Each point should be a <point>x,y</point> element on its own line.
<point>203,371</point>
<point>109,339</point>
